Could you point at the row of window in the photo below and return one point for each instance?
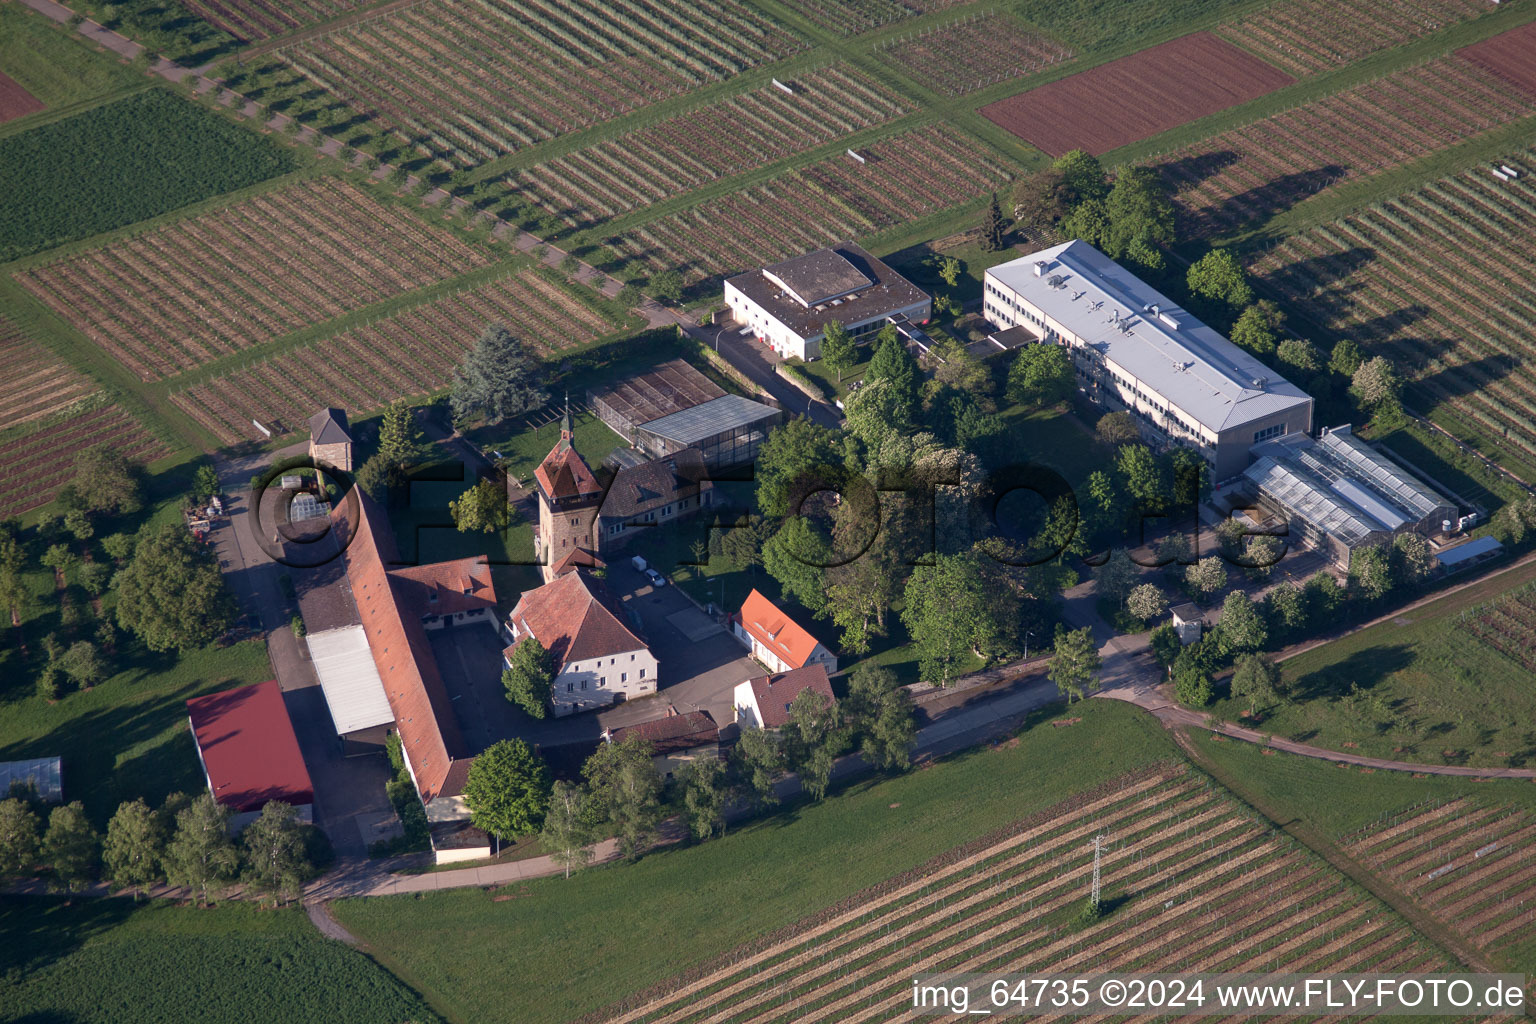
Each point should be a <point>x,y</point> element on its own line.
<point>1268,432</point>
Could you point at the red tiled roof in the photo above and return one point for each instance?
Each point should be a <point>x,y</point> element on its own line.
<point>249,748</point>
<point>674,733</point>
<point>578,558</point>
<point>776,631</point>
<point>424,719</point>
<point>575,617</point>
<point>565,474</point>
<point>774,694</point>
<point>461,585</point>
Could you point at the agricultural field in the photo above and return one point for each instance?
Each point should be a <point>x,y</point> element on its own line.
<point>1469,864</point>
<point>850,17</point>
<point>1306,37</point>
<point>15,101</point>
<point>1241,178</point>
<point>409,353</point>
<point>35,466</point>
<point>178,296</point>
<point>120,163</point>
<point>1508,55</point>
<point>1439,279</point>
<point>906,177</point>
<point>474,80</point>
<point>43,61</point>
<point>1194,881</point>
<point>1137,96</point>
<point>253,20</point>
<point>1508,625</point>
<point>37,381</point>
<point>117,962</point>
<point>1103,24</point>
<point>684,152</point>
<point>972,53</point>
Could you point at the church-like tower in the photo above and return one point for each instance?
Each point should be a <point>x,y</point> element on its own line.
<point>569,498</point>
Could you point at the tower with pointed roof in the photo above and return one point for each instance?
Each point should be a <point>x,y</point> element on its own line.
<point>569,498</point>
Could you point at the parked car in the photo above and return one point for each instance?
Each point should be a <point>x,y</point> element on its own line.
<point>656,578</point>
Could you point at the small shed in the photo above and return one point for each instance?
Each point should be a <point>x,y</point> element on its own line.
<point>1188,620</point>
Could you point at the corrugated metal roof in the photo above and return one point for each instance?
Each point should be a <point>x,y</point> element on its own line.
<point>349,679</point>
<point>1470,550</point>
<point>720,416</point>
<point>1191,366</point>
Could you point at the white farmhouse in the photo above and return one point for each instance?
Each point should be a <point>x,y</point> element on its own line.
<point>763,703</point>
<point>777,641</point>
<point>1134,349</point>
<point>789,304</point>
<point>598,660</point>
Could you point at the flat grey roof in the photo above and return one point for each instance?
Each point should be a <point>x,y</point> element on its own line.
<point>703,421</point>
<point>1191,365</point>
<point>1468,551</point>
<point>819,276</point>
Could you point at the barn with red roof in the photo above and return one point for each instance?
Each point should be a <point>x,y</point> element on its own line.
<point>249,752</point>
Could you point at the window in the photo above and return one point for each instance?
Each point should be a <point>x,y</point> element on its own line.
<point>623,677</point>
<point>583,684</point>
<point>575,521</point>
<point>631,657</point>
<point>1269,432</point>
<point>569,687</point>
<point>642,673</point>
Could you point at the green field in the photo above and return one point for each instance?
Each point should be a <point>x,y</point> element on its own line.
<point>1413,688</point>
<point>615,931</point>
<point>52,67</point>
<point>112,962</point>
<point>121,163</point>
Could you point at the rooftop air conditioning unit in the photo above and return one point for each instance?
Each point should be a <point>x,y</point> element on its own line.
<point>1168,320</point>
<point>1041,267</point>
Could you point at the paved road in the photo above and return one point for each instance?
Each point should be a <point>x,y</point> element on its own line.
<point>757,363</point>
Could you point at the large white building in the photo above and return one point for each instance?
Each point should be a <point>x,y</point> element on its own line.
<point>1135,349</point>
<point>789,304</point>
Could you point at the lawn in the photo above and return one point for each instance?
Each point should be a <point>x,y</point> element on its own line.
<point>113,962</point>
<point>614,931</point>
<point>54,68</point>
<point>1416,687</point>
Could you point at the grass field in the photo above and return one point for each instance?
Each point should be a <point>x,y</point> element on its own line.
<point>49,65</point>
<point>120,163</point>
<point>1417,687</point>
<point>711,897</point>
<point>112,962</point>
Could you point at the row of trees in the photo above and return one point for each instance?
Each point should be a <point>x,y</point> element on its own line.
<point>622,794</point>
<point>186,842</point>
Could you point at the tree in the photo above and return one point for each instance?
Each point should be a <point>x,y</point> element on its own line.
<point>626,790</point>
<point>1139,212</point>
<point>953,606</point>
<point>1116,428</point>
<point>1144,477</point>
<point>118,546</point>
<point>704,793</point>
<point>70,846</point>
<point>498,379</point>
<point>1074,666</point>
<point>1375,383</point>
<point>948,267</point>
<point>508,789</point>
<point>1323,596</point>
<point>105,481</point>
<point>1300,355</point>
<point>1165,644</point>
<point>83,664</point>
<point>1145,255</point>
<point>1286,610</point>
<point>134,847</point>
<point>1345,358</point>
<point>566,835</point>
<point>274,852</point>
<point>205,482</point>
<point>1371,572</point>
<point>1040,375</point>
<point>892,362</point>
<point>1082,176</point>
<point>879,710</point>
<point>172,593</point>
<point>483,507</point>
<point>18,837</point>
<point>1206,577</point>
<point>96,577</point>
<point>795,556</point>
<point>1240,629</point>
<point>201,855</point>
<point>1114,580</point>
<point>859,593</point>
<point>813,738</point>
<point>756,762</point>
<point>1089,221</point>
<point>401,442</point>
<point>1146,602</point>
<point>1254,332</point>
<point>1041,200</point>
<point>59,558</point>
<point>1192,684</point>
<point>667,286</point>
<point>994,228</point>
<point>838,349</point>
<point>1220,279</point>
<point>1411,559</point>
<point>78,523</point>
<point>530,679</point>
<point>794,459</point>
<point>1256,681</point>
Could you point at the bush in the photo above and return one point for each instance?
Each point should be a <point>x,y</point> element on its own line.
<point>297,625</point>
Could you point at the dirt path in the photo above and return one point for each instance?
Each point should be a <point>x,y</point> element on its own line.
<point>320,915</point>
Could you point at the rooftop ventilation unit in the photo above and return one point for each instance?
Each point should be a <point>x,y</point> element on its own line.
<point>1054,281</point>
<point>1041,267</point>
<point>1260,382</point>
<point>1168,320</point>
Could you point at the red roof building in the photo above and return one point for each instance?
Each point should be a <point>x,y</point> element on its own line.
<point>674,734</point>
<point>249,752</point>
<point>775,639</point>
<point>763,703</point>
<point>459,587</point>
